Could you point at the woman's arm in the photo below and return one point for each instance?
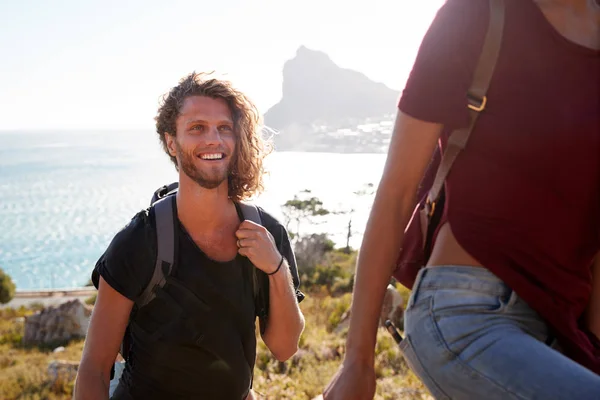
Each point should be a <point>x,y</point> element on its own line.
<point>411,149</point>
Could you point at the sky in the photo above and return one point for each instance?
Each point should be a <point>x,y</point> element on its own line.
<point>70,64</point>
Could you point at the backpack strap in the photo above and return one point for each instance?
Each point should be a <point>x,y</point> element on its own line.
<point>164,213</point>
<point>476,97</point>
<point>250,212</point>
<point>164,191</point>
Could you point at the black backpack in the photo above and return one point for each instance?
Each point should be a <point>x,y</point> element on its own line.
<point>163,203</point>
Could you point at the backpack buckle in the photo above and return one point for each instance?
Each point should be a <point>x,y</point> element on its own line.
<point>475,104</point>
<point>429,207</point>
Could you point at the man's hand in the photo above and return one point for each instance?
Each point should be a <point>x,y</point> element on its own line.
<point>256,243</point>
<point>352,381</point>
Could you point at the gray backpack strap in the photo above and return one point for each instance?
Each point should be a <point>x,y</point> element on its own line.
<point>250,212</point>
<point>165,240</point>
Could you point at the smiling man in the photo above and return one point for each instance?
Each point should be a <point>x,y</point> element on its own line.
<point>196,337</point>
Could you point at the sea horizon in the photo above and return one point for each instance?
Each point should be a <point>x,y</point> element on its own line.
<point>65,195</point>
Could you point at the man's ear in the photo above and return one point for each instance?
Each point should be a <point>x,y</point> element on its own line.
<point>170,140</point>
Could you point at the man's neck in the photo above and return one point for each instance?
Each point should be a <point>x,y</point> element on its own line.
<point>200,209</point>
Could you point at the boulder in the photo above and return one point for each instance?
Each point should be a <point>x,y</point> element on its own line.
<point>392,309</point>
<point>66,370</point>
<point>57,324</point>
<point>316,90</point>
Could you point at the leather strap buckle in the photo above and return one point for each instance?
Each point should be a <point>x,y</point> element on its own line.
<point>430,206</point>
<point>477,107</point>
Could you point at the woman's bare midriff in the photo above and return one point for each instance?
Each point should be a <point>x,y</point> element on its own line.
<point>447,251</point>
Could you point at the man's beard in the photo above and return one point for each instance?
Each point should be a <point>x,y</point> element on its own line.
<point>210,180</point>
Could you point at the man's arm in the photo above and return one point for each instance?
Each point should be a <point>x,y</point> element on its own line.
<point>107,327</point>
<point>593,310</point>
<point>285,322</point>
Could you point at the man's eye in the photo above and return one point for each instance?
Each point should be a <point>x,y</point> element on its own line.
<point>197,128</point>
<point>225,128</point>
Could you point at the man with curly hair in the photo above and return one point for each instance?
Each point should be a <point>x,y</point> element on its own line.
<point>198,339</point>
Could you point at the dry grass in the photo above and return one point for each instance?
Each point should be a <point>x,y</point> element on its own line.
<point>23,371</point>
<point>321,351</point>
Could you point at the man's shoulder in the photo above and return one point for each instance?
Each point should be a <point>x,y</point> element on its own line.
<point>137,236</point>
<point>129,254</point>
<point>137,228</point>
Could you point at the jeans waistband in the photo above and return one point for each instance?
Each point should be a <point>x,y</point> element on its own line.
<point>476,279</point>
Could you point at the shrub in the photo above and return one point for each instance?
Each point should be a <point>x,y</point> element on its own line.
<point>7,287</point>
<point>311,250</point>
<point>91,300</point>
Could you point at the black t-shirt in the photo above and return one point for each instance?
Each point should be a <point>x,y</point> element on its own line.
<point>204,351</point>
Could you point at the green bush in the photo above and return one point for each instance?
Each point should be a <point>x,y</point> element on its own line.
<point>91,300</point>
<point>337,308</point>
<point>7,288</point>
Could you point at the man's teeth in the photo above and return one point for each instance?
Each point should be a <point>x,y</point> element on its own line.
<point>211,156</point>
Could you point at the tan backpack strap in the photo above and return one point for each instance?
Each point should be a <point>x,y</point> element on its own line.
<point>477,99</point>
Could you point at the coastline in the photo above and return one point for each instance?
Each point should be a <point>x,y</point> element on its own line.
<point>49,297</point>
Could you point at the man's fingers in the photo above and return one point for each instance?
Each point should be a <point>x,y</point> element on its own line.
<point>245,242</point>
<point>248,229</point>
<point>247,224</point>
<point>246,233</point>
<point>246,251</point>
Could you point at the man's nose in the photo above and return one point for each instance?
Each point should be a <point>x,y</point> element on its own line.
<point>212,136</point>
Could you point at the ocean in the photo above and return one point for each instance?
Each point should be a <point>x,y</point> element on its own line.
<point>63,196</point>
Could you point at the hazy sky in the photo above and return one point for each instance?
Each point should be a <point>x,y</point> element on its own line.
<point>70,64</point>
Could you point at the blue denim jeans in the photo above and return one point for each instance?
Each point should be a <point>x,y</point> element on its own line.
<point>469,336</point>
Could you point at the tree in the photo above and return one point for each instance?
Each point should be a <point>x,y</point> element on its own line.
<point>7,288</point>
<point>302,208</point>
<point>366,190</point>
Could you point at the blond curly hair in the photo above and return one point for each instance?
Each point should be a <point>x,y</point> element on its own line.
<point>247,171</point>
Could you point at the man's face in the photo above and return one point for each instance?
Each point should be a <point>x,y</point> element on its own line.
<point>205,141</point>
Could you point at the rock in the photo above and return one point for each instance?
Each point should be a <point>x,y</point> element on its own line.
<point>67,370</point>
<point>326,353</point>
<point>392,309</point>
<point>300,354</point>
<point>59,349</point>
<point>328,108</point>
<point>315,89</point>
<point>343,324</point>
<point>57,324</point>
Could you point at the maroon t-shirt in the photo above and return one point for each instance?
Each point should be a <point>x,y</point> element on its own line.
<point>524,197</point>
